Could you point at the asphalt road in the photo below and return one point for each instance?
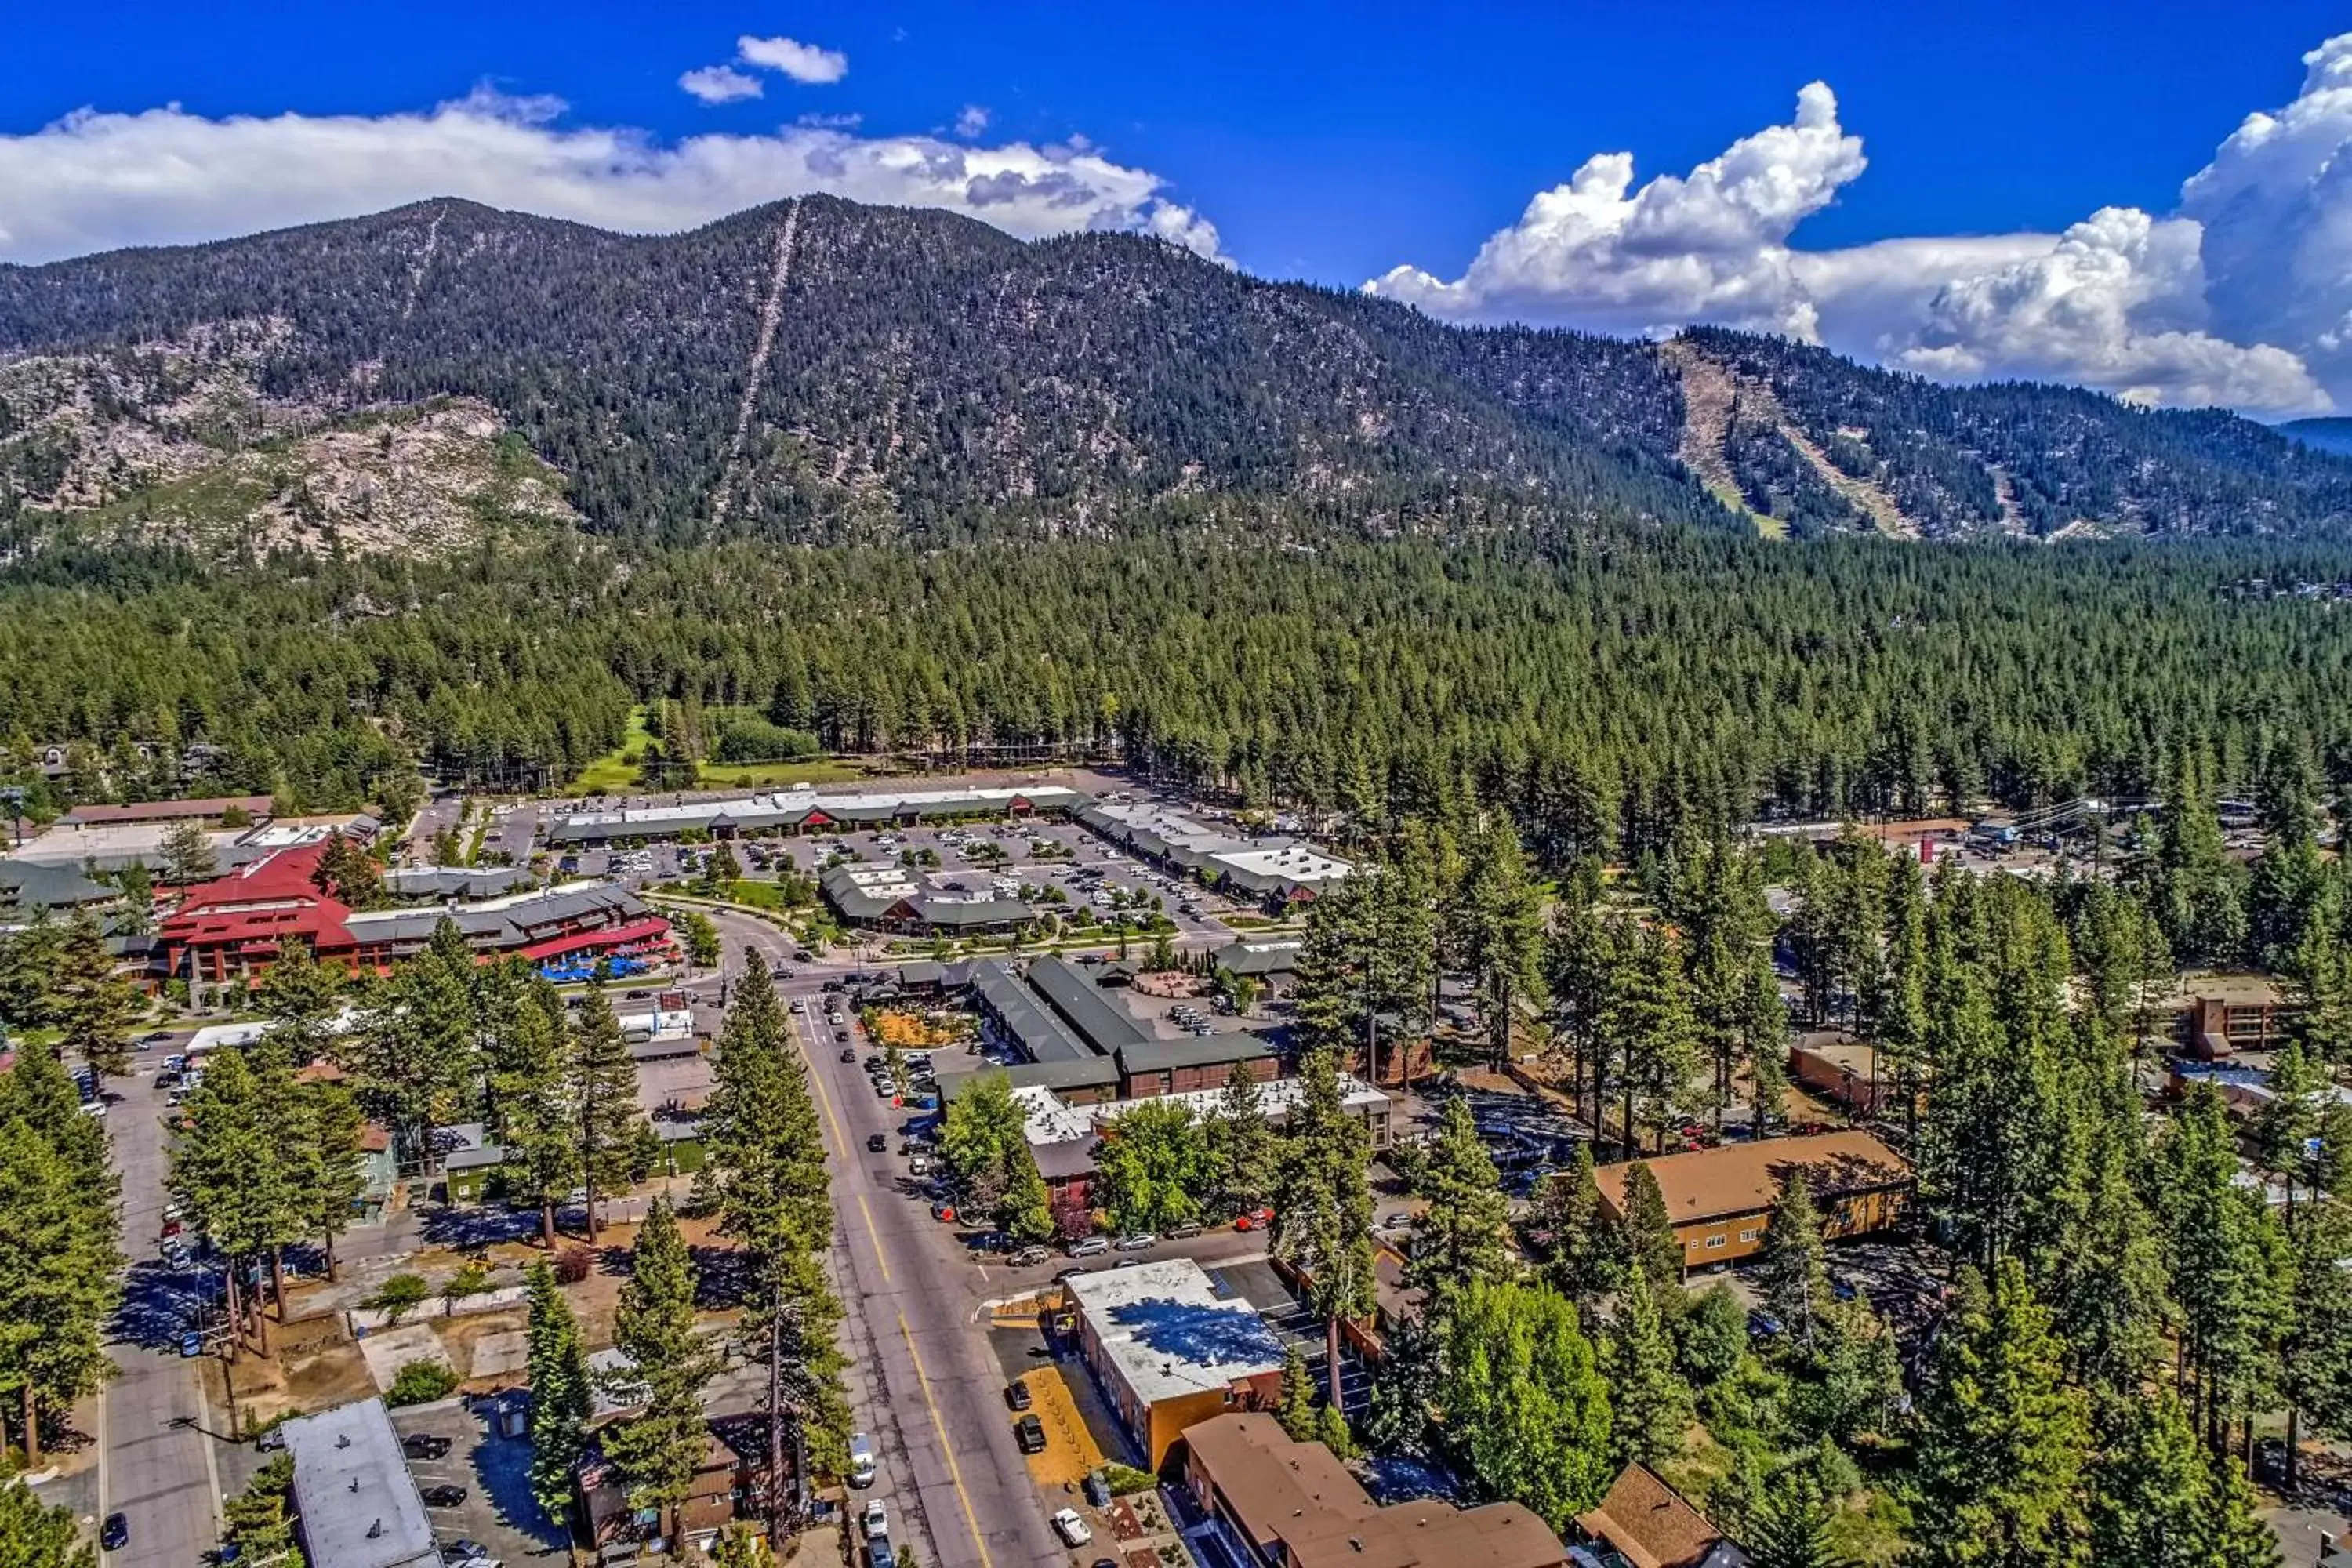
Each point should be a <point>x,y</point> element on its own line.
<point>156,1466</point>
<point>924,1382</point>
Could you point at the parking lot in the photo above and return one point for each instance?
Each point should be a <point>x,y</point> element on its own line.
<point>1001,858</point>
<point>495,1472</point>
<point>1257,1282</point>
<point>1526,1135</point>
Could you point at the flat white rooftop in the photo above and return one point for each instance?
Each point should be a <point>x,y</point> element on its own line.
<point>1051,1120</point>
<point>1299,862</point>
<point>213,1037</point>
<point>110,840</point>
<point>805,799</point>
<point>359,1505</point>
<point>1167,1332</point>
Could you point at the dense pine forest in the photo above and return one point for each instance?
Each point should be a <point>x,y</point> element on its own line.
<point>1608,687</point>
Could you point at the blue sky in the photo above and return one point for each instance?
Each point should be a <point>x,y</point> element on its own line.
<point>1332,143</point>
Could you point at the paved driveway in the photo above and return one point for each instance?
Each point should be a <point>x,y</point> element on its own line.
<point>499,1511</point>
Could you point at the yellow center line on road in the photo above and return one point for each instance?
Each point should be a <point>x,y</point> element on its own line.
<point>874,1234</point>
<point>841,1142</point>
<point>947,1449</point>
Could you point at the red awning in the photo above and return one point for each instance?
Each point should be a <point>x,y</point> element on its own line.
<point>611,936</point>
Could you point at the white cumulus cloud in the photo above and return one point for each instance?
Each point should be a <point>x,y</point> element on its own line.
<point>2275,204</point>
<point>2241,297</point>
<point>720,84</point>
<point>2117,302</point>
<point>971,121</point>
<point>97,180</point>
<point>802,62</point>
<point>1711,246</point>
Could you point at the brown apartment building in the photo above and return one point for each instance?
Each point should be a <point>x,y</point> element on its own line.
<point>2222,1015</point>
<point>1719,1199</point>
<point>731,1484</point>
<point>1287,1504</point>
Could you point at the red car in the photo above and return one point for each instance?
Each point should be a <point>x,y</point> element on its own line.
<point>1257,1219</point>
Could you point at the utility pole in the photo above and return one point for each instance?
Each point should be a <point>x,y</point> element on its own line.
<point>775,1408</point>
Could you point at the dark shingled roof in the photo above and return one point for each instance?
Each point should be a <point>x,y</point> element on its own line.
<point>1193,1050</point>
<point>1102,1021</point>
<point>1018,1009</point>
<point>48,885</point>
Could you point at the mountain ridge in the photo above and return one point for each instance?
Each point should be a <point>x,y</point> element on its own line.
<point>2326,435</point>
<point>815,370</point>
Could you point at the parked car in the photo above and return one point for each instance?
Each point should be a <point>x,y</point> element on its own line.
<point>861,1459</point>
<point>1027,1256</point>
<point>1063,1275</point>
<point>849,1053</point>
<point>1090,1247</point>
<point>1188,1229</point>
<point>425,1445</point>
<point>1136,1241</point>
<point>879,1555</point>
<point>877,1142</point>
<point>1016,1393</point>
<point>115,1533</point>
<point>1071,1528</point>
<point>1257,1219</point>
<point>875,1519</point>
<point>443,1496</point>
<point>1029,1433</point>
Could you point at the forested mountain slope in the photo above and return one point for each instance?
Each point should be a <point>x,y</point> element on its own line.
<point>2013,458</point>
<point>2328,434</point>
<point>817,370</point>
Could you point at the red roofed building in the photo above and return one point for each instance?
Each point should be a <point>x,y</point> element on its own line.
<point>230,926</point>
